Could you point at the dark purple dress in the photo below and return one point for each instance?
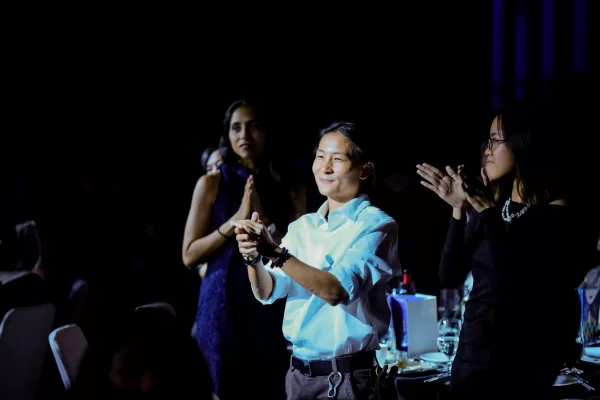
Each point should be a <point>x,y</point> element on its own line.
<point>241,339</point>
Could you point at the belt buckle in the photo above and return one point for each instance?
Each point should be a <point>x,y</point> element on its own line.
<point>333,387</point>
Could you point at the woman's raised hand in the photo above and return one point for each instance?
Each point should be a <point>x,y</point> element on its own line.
<point>448,186</point>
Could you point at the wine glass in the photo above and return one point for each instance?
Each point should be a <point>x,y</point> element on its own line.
<point>448,332</point>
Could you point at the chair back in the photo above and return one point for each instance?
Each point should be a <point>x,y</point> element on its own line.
<point>23,348</point>
<point>68,344</point>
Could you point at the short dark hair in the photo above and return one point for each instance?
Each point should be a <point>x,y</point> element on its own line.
<point>359,148</point>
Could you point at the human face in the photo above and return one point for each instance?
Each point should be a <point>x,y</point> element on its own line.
<point>213,162</point>
<point>337,176</point>
<point>498,157</point>
<point>246,135</point>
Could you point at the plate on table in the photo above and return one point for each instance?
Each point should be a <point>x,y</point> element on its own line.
<point>416,367</point>
<point>565,380</point>
<point>435,358</point>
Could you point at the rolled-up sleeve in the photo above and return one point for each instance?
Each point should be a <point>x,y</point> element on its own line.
<point>372,258</point>
<point>281,281</point>
<point>281,285</point>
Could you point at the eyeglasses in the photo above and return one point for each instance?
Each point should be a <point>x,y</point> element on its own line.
<point>493,143</point>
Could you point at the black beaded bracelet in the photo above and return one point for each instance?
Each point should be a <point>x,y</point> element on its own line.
<point>251,261</point>
<point>283,257</point>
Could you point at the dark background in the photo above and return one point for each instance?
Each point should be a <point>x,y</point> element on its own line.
<point>133,103</point>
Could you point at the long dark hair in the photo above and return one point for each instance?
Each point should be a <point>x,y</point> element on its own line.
<point>229,156</point>
<point>265,161</point>
<point>359,150</point>
<point>529,133</point>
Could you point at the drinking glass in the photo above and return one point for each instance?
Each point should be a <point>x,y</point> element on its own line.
<point>448,333</point>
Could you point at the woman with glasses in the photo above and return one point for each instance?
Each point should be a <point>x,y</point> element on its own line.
<point>523,249</point>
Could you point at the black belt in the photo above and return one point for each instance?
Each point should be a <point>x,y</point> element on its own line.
<point>345,364</point>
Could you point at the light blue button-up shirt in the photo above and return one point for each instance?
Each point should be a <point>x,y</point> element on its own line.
<point>358,243</point>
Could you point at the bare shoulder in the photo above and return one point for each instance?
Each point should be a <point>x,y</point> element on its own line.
<point>209,181</point>
<point>207,186</point>
<point>559,202</point>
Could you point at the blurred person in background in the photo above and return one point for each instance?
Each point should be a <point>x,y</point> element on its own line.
<point>147,358</point>
<point>210,160</point>
<point>22,281</point>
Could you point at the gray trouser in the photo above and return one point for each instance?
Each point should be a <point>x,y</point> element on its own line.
<point>357,385</point>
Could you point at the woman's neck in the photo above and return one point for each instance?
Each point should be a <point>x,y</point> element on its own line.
<point>515,195</point>
<point>249,163</point>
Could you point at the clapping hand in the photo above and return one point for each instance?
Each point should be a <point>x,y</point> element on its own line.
<point>448,186</point>
<point>245,209</point>
<point>481,202</point>
<point>254,237</point>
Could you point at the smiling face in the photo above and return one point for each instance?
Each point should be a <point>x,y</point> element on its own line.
<point>498,157</point>
<point>336,175</point>
<point>246,135</point>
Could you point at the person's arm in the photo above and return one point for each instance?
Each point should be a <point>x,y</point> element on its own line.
<point>371,258</point>
<point>198,243</point>
<point>457,254</point>
<point>270,284</point>
<point>321,283</point>
<point>202,270</point>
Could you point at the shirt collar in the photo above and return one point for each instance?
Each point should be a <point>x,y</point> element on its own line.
<point>348,211</point>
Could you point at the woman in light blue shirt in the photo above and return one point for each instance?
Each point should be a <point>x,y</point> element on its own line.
<point>333,266</point>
